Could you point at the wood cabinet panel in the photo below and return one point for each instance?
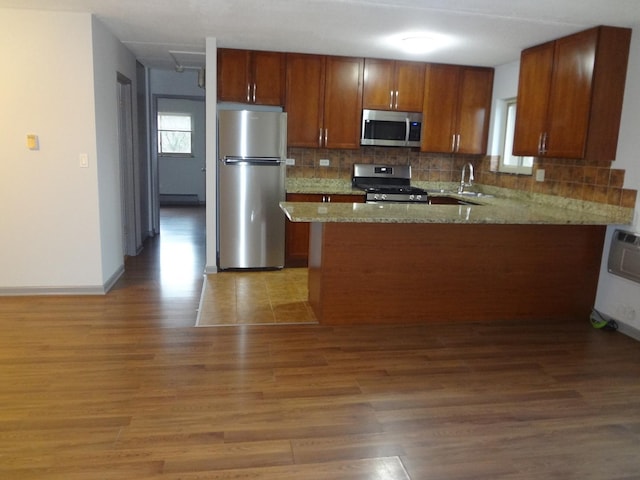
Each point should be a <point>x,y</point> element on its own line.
<point>323,101</point>
<point>534,86</point>
<point>248,76</point>
<point>457,104</point>
<point>452,272</point>
<point>579,80</point>
<point>474,109</point>
<point>393,85</point>
<point>304,99</point>
<point>343,102</point>
<point>233,75</point>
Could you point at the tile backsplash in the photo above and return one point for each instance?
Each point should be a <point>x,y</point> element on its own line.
<point>575,179</point>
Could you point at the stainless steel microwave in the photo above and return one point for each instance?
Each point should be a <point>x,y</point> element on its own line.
<point>391,129</point>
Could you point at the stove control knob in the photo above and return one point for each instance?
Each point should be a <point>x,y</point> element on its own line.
<point>411,197</point>
<point>383,196</point>
<point>418,197</point>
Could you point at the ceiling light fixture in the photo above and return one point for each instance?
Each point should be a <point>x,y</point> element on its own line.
<point>418,43</point>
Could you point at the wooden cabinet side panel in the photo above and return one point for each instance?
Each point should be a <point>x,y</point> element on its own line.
<point>297,233</point>
<point>474,109</point>
<point>269,77</point>
<point>490,272</point>
<point>534,85</point>
<point>378,84</point>
<point>440,105</point>
<point>343,101</point>
<point>233,75</point>
<point>304,99</point>
<point>608,82</point>
<point>570,96</point>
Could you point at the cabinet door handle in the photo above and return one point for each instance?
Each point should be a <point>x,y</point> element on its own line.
<point>458,143</point>
<point>453,142</point>
<point>248,93</point>
<point>320,138</point>
<point>326,136</point>
<point>396,99</point>
<point>540,137</point>
<point>390,99</point>
<point>544,142</point>
<point>254,93</point>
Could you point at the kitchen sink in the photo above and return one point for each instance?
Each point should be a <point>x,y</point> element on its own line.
<point>475,194</point>
<point>446,200</point>
<point>464,194</point>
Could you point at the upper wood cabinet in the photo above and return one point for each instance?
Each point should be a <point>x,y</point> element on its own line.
<point>570,95</point>
<point>393,85</point>
<point>249,76</point>
<point>323,101</point>
<point>457,105</point>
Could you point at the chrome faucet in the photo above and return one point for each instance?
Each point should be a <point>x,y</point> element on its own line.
<point>462,182</point>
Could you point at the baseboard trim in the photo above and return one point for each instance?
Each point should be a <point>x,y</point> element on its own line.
<point>64,290</point>
<point>628,330</point>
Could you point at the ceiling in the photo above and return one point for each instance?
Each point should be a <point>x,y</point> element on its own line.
<point>162,33</point>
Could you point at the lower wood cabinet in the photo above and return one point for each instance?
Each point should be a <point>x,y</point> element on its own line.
<point>297,233</point>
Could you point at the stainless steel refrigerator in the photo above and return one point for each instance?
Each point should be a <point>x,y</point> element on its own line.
<point>252,149</point>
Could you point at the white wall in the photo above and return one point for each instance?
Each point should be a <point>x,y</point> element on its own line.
<point>54,235</point>
<point>617,297</point>
<point>505,86</point>
<point>110,57</point>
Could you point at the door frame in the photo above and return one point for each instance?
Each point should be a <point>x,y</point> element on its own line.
<point>154,167</point>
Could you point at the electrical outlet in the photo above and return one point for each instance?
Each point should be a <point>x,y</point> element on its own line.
<point>291,161</point>
<point>324,162</point>
<point>540,175</point>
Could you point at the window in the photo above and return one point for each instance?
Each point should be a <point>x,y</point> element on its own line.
<point>510,163</point>
<point>175,131</point>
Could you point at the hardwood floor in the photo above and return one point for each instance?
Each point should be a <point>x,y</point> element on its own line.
<point>123,387</point>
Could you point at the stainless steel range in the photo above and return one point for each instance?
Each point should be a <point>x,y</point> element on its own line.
<point>387,183</point>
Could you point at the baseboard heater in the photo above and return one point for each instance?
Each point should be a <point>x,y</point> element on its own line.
<point>624,255</point>
<point>179,199</point>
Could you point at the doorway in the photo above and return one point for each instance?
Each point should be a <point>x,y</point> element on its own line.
<point>130,207</point>
<point>179,150</point>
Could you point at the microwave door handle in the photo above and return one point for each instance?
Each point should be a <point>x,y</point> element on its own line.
<point>407,129</point>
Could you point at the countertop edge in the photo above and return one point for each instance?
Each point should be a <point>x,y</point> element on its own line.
<point>496,206</point>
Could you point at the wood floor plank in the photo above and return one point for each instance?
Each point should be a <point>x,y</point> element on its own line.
<point>123,386</point>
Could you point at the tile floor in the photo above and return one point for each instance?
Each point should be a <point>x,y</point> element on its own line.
<point>255,297</point>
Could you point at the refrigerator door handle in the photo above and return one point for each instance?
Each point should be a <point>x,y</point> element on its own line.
<point>275,161</point>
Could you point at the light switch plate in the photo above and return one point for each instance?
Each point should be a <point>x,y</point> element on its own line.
<point>324,162</point>
<point>32,141</point>
<point>84,160</point>
<point>291,161</point>
<point>540,175</point>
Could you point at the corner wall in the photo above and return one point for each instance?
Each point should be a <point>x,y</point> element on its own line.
<point>59,222</point>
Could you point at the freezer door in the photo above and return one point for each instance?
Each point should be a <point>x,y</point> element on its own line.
<point>251,224</point>
<point>247,133</point>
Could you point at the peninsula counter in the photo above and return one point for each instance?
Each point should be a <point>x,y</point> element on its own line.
<point>398,263</point>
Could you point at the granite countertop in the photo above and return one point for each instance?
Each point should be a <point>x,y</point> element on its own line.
<point>494,206</point>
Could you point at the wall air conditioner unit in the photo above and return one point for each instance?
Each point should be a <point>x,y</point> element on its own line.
<point>624,255</point>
